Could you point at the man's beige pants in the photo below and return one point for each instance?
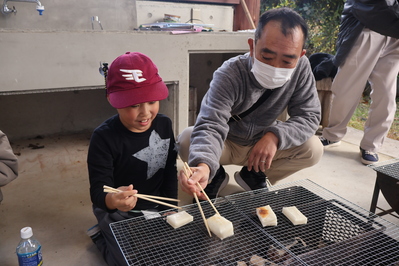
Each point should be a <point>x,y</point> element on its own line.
<point>374,57</point>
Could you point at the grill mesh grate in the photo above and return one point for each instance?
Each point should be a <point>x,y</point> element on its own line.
<point>337,233</point>
<point>389,168</point>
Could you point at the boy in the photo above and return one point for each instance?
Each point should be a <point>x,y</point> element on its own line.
<point>132,151</point>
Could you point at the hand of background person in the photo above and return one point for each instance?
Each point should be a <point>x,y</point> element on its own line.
<point>263,152</point>
<point>123,201</point>
<point>200,174</point>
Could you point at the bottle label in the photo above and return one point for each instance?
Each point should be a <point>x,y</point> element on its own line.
<point>31,259</point>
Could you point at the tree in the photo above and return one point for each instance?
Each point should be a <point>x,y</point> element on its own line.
<point>322,16</point>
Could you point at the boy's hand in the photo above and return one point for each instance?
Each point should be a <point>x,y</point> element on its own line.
<point>123,201</point>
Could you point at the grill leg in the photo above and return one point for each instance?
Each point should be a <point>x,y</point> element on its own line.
<point>375,197</point>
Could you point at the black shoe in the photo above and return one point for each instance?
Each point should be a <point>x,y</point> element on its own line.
<point>328,143</point>
<point>218,183</point>
<point>250,180</point>
<point>95,233</point>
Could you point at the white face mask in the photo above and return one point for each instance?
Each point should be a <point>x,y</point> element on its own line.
<point>270,77</point>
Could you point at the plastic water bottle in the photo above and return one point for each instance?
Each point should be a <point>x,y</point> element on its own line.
<point>29,250</point>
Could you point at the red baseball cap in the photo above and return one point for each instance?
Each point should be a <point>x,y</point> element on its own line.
<point>132,79</point>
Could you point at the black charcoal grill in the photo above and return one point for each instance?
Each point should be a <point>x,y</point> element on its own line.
<point>387,182</point>
<point>337,233</point>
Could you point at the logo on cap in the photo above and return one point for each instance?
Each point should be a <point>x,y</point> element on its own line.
<point>134,74</point>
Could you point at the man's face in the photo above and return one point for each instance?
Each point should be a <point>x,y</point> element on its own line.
<point>277,50</point>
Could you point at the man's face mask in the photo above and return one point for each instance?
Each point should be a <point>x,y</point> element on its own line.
<point>268,76</point>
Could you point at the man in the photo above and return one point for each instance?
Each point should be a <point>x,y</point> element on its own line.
<point>263,145</point>
<point>368,49</point>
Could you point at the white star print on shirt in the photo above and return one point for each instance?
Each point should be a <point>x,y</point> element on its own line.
<point>155,154</point>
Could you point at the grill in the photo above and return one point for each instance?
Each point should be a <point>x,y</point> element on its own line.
<point>337,233</point>
<point>388,183</point>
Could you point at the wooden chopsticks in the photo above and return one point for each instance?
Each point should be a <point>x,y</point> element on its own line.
<point>188,173</point>
<point>203,191</point>
<point>145,197</point>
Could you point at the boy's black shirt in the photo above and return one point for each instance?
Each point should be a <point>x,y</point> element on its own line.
<point>119,157</point>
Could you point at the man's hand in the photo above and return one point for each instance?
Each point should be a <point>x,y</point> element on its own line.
<point>123,201</point>
<point>263,152</point>
<point>200,175</point>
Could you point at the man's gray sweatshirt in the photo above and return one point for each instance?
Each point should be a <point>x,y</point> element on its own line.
<point>234,90</point>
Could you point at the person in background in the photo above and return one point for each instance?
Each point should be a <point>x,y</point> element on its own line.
<point>367,50</point>
<point>8,163</point>
<point>264,146</point>
<point>133,151</point>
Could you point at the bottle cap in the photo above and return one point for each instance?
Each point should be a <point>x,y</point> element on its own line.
<point>26,232</point>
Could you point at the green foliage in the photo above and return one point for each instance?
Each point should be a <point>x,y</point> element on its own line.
<point>322,16</point>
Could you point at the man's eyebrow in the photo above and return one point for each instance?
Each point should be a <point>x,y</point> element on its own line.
<point>291,56</point>
<point>266,50</point>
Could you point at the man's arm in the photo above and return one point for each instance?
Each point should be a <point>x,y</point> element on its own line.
<point>8,161</point>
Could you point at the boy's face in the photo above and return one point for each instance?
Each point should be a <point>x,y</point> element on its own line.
<point>138,118</point>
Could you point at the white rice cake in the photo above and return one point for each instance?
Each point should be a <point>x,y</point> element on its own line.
<point>220,226</point>
<point>266,216</point>
<point>294,215</point>
<point>179,219</point>
<point>257,261</point>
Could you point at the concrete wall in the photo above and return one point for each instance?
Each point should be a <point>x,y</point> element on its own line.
<point>70,15</point>
<point>114,15</point>
<point>49,78</point>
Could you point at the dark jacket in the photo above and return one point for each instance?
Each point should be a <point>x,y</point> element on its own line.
<point>376,15</point>
<point>322,66</point>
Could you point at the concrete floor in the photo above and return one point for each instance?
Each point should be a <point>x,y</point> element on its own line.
<point>51,194</point>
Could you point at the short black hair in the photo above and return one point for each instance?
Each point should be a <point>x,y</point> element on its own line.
<point>288,18</point>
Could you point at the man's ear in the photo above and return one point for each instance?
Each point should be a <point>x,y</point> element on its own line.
<point>303,52</point>
<point>251,43</point>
